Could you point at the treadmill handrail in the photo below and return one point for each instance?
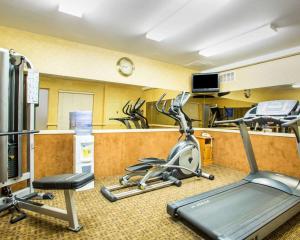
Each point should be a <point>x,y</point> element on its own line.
<point>284,121</point>
<point>291,122</point>
<point>125,107</point>
<point>266,119</point>
<point>158,103</point>
<point>235,121</point>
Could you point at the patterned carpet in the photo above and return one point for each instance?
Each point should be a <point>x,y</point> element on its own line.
<point>139,217</point>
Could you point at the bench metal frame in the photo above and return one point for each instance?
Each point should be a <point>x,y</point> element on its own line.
<point>69,215</point>
<point>12,67</point>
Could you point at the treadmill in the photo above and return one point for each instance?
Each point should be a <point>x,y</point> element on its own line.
<point>258,204</point>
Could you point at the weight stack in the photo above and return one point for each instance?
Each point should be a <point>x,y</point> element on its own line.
<point>12,160</point>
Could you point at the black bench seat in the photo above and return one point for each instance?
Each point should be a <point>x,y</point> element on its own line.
<point>64,181</point>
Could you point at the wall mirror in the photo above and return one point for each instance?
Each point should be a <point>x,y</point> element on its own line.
<point>112,104</point>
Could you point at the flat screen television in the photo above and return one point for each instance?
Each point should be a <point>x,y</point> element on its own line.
<point>205,83</point>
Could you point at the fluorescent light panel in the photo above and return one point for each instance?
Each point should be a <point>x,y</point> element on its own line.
<point>71,8</point>
<point>190,13</point>
<point>155,36</point>
<point>243,40</point>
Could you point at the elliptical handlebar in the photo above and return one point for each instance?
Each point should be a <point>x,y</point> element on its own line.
<point>159,102</point>
<point>128,109</point>
<point>136,103</point>
<point>182,96</point>
<point>134,114</point>
<point>175,111</point>
<point>163,108</point>
<point>125,107</point>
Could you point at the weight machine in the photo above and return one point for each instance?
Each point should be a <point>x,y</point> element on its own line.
<point>19,95</point>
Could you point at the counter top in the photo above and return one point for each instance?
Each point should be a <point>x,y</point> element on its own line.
<point>273,134</point>
<point>48,132</point>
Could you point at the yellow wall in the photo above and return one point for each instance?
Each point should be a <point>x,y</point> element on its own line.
<point>71,59</point>
<point>272,73</point>
<point>152,95</point>
<point>65,58</point>
<point>108,98</point>
<point>116,96</point>
<point>221,103</point>
<point>267,94</point>
<point>155,117</point>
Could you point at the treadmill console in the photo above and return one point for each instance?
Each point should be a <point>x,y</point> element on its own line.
<point>276,108</point>
<point>251,113</point>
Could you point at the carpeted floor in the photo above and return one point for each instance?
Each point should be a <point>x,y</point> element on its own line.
<point>139,217</point>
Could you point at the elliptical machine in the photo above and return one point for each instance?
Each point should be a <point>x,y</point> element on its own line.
<point>183,161</point>
<point>134,114</point>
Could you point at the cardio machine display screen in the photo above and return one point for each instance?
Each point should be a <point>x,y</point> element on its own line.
<point>202,83</point>
<point>276,108</point>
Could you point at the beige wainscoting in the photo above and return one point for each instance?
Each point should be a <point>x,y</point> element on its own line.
<point>273,153</point>
<point>114,150</point>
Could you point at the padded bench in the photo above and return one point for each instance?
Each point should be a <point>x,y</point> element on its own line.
<point>64,181</point>
<point>68,183</point>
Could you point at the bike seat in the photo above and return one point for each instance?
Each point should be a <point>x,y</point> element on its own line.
<point>153,161</point>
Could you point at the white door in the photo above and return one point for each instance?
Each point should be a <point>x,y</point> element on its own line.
<point>41,114</point>
<point>70,102</point>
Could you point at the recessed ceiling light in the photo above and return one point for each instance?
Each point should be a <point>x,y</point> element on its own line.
<point>155,37</point>
<point>296,85</point>
<point>70,8</point>
<point>240,41</point>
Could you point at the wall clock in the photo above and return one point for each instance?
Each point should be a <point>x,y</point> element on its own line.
<point>125,66</point>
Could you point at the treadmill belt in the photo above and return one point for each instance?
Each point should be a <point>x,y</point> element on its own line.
<point>238,212</point>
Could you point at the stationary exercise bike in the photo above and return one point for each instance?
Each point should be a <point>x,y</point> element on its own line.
<point>183,161</point>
